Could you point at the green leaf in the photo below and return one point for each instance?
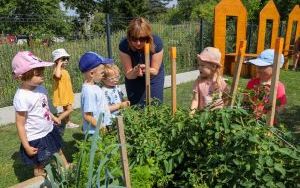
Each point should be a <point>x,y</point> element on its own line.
<point>280,184</point>
<point>269,161</point>
<point>278,167</point>
<point>267,178</point>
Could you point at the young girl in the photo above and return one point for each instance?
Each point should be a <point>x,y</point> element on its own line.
<point>261,84</point>
<point>62,87</point>
<point>34,121</point>
<point>208,89</point>
<point>112,92</point>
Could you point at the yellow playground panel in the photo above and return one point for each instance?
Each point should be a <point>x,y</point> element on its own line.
<point>227,8</point>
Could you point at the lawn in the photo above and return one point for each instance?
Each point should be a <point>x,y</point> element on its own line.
<point>13,171</point>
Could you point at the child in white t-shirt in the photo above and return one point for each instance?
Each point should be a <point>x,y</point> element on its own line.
<point>40,139</point>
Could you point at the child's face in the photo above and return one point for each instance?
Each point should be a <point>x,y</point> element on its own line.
<point>97,73</point>
<point>37,78</point>
<point>112,80</point>
<point>206,69</point>
<point>264,73</point>
<point>63,60</point>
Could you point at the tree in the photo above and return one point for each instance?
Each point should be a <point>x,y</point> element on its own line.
<point>40,18</point>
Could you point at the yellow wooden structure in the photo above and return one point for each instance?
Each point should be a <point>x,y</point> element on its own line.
<point>222,10</point>
<point>269,12</point>
<point>226,8</point>
<point>294,16</point>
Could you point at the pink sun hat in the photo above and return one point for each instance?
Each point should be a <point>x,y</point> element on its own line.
<point>211,55</point>
<point>25,61</point>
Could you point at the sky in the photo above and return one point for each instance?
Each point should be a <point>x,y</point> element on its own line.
<point>72,12</point>
<point>172,3</point>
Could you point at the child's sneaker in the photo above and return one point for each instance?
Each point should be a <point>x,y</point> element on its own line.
<point>71,125</point>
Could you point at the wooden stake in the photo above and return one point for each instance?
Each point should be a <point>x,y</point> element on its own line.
<point>173,78</point>
<point>123,151</point>
<point>147,63</point>
<point>275,78</point>
<point>237,72</point>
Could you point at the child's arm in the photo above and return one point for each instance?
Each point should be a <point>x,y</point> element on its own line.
<point>57,69</point>
<point>119,106</point>
<point>20,123</point>
<point>194,104</point>
<point>226,96</point>
<point>65,113</point>
<point>55,119</point>
<point>88,116</point>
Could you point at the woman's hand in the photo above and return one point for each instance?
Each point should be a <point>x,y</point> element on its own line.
<point>139,69</point>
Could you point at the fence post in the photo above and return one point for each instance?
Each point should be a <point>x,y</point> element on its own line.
<point>201,35</point>
<point>108,37</point>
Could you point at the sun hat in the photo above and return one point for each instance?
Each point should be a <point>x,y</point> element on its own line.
<point>210,54</point>
<point>266,58</point>
<point>90,60</point>
<point>58,53</point>
<point>25,61</point>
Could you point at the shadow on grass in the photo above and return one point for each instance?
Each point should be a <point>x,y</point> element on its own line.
<point>69,148</point>
<point>291,118</point>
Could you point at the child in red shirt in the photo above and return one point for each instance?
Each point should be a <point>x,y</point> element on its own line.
<point>261,84</point>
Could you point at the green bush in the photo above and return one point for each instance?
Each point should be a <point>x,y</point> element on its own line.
<point>221,148</point>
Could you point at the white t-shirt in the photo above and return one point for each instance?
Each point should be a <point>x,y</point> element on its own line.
<point>93,100</point>
<point>38,121</point>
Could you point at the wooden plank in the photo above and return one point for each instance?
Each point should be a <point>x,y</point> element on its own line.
<point>147,63</point>
<point>123,150</point>
<point>275,78</point>
<point>30,183</point>
<point>173,78</point>
<point>237,72</point>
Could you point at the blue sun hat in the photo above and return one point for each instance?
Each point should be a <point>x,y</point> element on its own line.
<point>266,58</point>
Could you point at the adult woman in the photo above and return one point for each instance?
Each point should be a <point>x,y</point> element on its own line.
<point>132,58</point>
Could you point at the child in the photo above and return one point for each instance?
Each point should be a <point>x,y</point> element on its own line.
<point>208,89</point>
<point>261,84</point>
<point>112,92</point>
<point>296,57</point>
<point>93,101</point>
<point>39,138</point>
<point>62,87</point>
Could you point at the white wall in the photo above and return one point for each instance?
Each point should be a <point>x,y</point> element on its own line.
<point>7,114</point>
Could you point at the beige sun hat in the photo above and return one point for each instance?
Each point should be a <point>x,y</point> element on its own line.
<point>58,53</point>
<point>211,55</point>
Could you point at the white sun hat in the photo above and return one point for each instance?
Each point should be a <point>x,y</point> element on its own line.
<point>266,58</point>
<point>58,53</point>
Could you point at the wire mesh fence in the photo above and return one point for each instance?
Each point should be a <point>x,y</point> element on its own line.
<point>189,38</point>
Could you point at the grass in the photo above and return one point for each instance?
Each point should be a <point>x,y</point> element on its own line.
<point>13,171</point>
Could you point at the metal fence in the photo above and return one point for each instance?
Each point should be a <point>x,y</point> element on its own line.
<point>189,38</point>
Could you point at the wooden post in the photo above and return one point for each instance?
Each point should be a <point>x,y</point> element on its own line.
<point>237,72</point>
<point>275,78</point>
<point>147,63</point>
<point>173,78</point>
<point>123,151</point>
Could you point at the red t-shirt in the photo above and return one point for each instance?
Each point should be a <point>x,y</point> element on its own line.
<point>281,97</point>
